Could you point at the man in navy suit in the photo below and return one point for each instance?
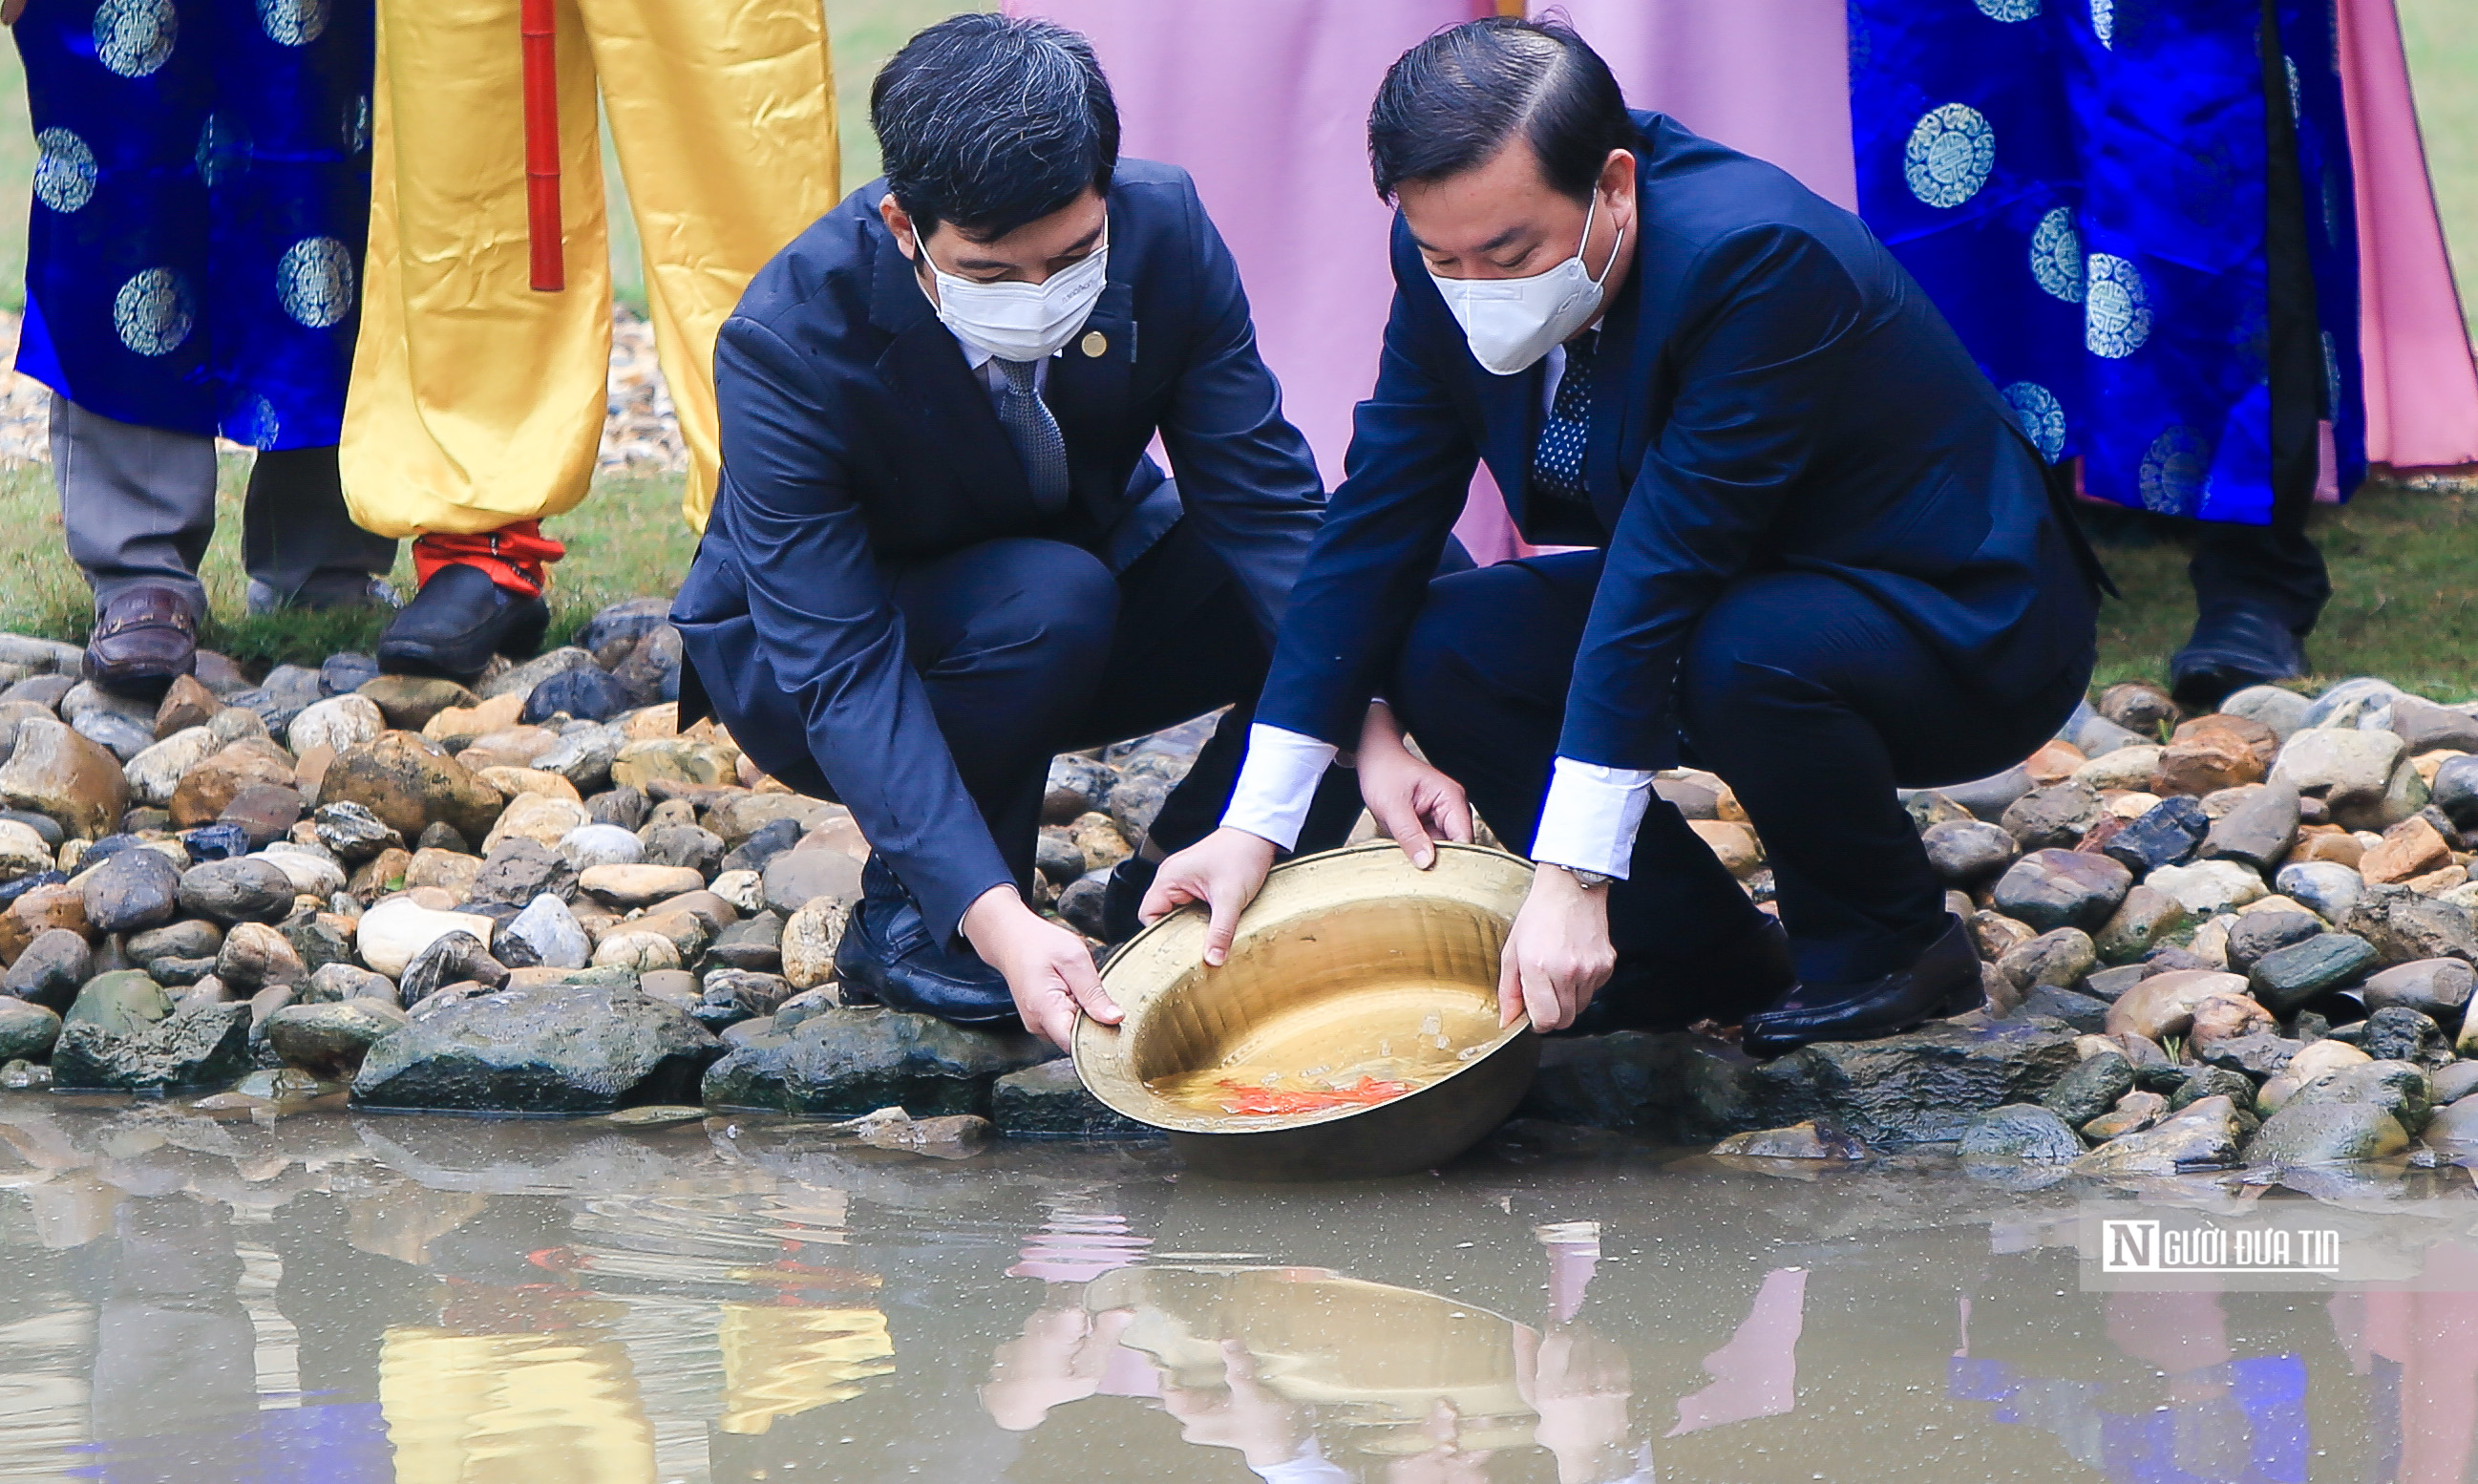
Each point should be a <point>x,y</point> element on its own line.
<point>1821,557</point>
<point>939,554</point>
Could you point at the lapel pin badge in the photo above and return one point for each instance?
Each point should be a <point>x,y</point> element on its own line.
<point>1094,344</point>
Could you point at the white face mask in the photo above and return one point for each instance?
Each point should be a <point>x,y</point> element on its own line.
<point>1512,322</point>
<point>1020,322</point>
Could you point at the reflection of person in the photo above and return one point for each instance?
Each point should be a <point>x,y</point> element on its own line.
<point>477,404</point>
<point>1814,531</point>
<point>193,257</point>
<point>941,554</point>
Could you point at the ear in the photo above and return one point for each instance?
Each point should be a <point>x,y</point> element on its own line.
<point>899,221</point>
<point>1616,184</point>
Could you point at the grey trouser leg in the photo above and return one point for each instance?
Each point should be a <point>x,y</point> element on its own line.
<point>138,503</point>
<point>298,536</point>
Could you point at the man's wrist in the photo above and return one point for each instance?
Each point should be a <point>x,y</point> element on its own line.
<point>1575,875</point>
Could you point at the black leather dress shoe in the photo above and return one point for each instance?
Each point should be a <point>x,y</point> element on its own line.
<point>143,639</point>
<point>1944,981</point>
<point>457,622</point>
<point>1724,985</point>
<point>888,956</point>
<point>2231,649</point>
<point>1129,880</point>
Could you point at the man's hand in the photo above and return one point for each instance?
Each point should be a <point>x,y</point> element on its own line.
<point>1047,968</point>
<point>1558,954</point>
<point>1248,1415</point>
<point>1225,871</point>
<point>1413,802</point>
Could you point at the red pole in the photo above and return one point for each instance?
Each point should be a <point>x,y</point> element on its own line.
<point>539,29</point>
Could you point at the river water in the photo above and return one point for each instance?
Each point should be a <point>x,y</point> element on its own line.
<point>346,1298</point>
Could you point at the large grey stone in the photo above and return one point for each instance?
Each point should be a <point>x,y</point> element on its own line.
<point>797,877</point>
<point>2141,924</point>
<point>2283,710</point>
<point>2455,791</point>
<point>2201,1136</point>
<point>545,934</point>
<point>27,1030</point>
<point>2091,1088</point>
<point>2398,1088</point>
<point>2325,1133</point>
<point>2061,958</point>
<point>1051,1101</point>
<point>50,969</point>
<point>2024,1131</point>
<point>2405,926</point>
<point>200,1046</point>
<point>2052,888</point>
<point>2399,1033</point>
<point>852,1061</point>
<point>2327,888</point>
<point>2258,832</point>
<point>2266,931</point>
<point>331,1040</point>
<point>1964,852</point>
<point>2439,988</point>
<point>544,1048</point>
<point>245,890</point>
<point>2052,818</point>
<point>2426,727</point>
<point>1987,798</point>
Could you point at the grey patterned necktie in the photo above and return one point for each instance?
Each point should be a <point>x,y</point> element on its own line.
<point>1566,433</point>
<point>1034,432</point>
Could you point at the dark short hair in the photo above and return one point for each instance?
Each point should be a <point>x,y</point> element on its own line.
<point>990,122</point>
<point>1450,104</point>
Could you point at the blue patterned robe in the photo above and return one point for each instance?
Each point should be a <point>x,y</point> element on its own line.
<point>2080,186</point>
<point>201,203</point>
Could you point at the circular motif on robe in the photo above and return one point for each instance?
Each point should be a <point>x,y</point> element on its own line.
<point>2056,255</point>
<point>63,171</point>
<point>223,150</point>
<point>153,312</point>
<point>134,38</point>
<point>2009,9</point>
<point>357,126</point>
<point>2104,21</point>
<point>257,426</point>
<point>1950,152</point>
<point>2041,416</point>
<point>2173,470</point>
<point>292,23</point>
<point>2116,306</point>
<point>313,280</point>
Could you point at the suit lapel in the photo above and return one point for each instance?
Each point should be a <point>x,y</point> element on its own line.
<point>1088,393</point>
<point>1509,411</point>
<point>927,368</point>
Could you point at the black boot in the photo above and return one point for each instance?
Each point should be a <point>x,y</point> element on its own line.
<point>1944,981</point>
<point>889,956</point>
<point>1661,993</point>
<point>1129,880</point>
<point>2234,647</point>
<point>457,622</point>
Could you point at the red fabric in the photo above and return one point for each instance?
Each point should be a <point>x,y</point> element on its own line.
<point>512,555</point>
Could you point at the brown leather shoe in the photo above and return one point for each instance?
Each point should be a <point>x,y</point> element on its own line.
<point>143,639</point>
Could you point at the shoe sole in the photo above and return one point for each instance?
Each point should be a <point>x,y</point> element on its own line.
<point>1961,1001</point>
<point>456,662</point>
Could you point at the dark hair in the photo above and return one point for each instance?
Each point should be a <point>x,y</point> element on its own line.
<point>991,122</point>
<point>1450,104</point>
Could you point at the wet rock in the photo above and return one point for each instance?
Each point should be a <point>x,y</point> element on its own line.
<point>132,890</point>
<point>191,938</point>
<point>54,771</point>
<point>1804,1140</point>
<point>2312,1061</point>
<point>2051,889</point>
<point>2258,1055</point>
<point>49,969</point>
<point>2202,1135</point>
<point>2305,1133</point>
<point>2166,833</point>
<point>2439,988</point>
<point>216,842</point>
<point>547,1048</point>
<point>2399,1033</point>
<point>755,943</point>
<point>1919,1086</point>
<point>394,932</point>
<point>248,890</point>
<point>118,735</point>
<point>1049,1100</point>
<point>2144,920</point>
<point>2202,1081</point>
<point>852,1061</point>
<point>600,845</point>
<point>332,982</point>
<point>209,788</point>
<point>2266,930</point>
<point>2134,1113</point>
<point>2453,1083</point>
<point>2163,1004</point>
<point>732,996</point>
<point>2285,979</point>
<point>2091,1088</point>
<point>2397,1088</point>
<point>799,878</point>
<point>2052,818</point>
<point>2454,1126</point>
<point>763,845</point>
<point>48,905</point>
<point>451,958</point>
<point>331,1040</point>
<point>2109,985</point>
<point>2405,926</point>
<point>2258,832</point>
<point>27,1030</point>
<point>1964,852</point>
<point>545,934</point>
<point>2023,1131</point>
<point>200,1046</point>
<point>2325,887</point>
<point>2059,958</point>
<point>410,785</point>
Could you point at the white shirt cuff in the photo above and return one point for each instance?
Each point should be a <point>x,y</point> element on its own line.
<point>1591,815</point>
<point>1278,782</point>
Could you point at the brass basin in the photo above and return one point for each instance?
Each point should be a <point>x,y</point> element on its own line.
<point>1343,957</point>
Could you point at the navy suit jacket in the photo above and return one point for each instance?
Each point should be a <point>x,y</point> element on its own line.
<point>856,439</point>
<point>1773,392</point>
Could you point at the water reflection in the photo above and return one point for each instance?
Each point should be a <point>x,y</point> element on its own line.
<point>319,1297</point>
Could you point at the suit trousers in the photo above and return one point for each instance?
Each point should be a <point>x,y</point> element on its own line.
<point>1031,647</point>
<point>1807,697</point>
<point>139,507</point>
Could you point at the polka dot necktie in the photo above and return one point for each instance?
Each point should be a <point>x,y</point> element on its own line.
<point>1558,457</point>
<point>1034,432</point>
